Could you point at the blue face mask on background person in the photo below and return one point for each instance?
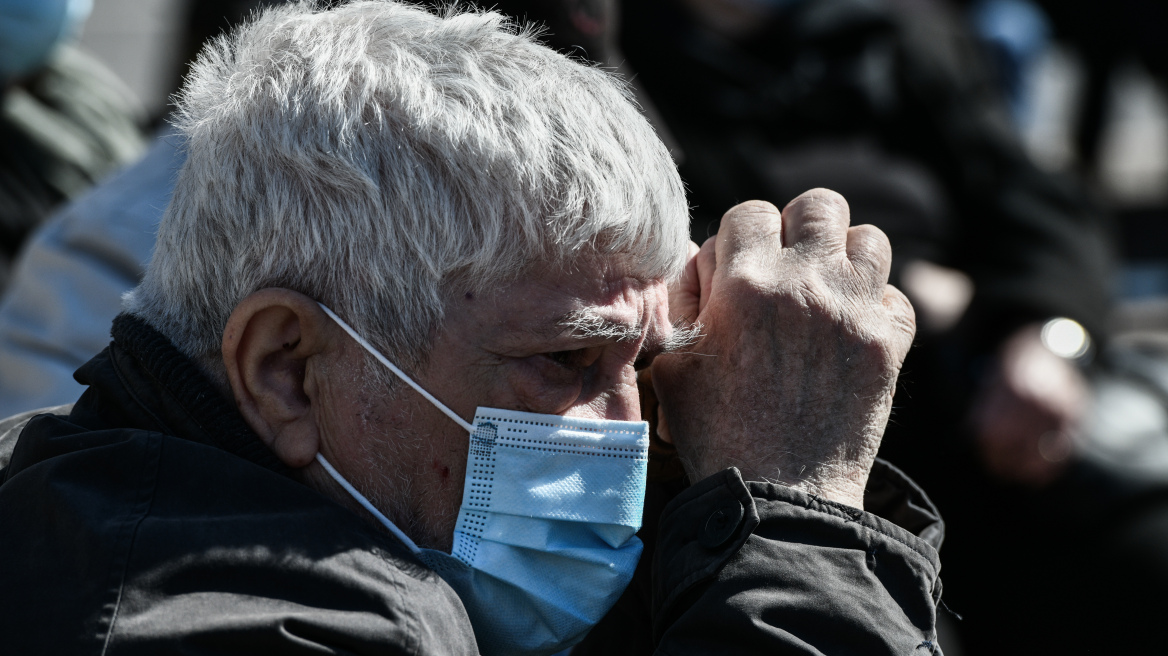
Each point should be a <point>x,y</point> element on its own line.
<point>545,540</point>
<point>31,29</point>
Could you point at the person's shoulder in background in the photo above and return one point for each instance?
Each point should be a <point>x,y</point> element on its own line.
<point>67,285</point>
<point>63,129</point>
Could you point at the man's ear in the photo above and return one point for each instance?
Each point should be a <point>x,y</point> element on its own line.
<point>269,343</point>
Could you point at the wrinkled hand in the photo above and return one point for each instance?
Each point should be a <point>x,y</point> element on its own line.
<point>803,339</point>
<point>1026,415</point>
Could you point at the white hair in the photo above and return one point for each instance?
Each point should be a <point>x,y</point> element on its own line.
<point>378,158</point>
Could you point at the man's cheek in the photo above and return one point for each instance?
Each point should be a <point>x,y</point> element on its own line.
<point>446,466</point>
<point>441,471</point>
<point>441,491</point>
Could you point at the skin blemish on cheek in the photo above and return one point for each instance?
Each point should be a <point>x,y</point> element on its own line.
<point>442,470</point>
<point>469,296</point>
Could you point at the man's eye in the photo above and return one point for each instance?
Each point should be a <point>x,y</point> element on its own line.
<point>576,358</point>
<point>643,361</point>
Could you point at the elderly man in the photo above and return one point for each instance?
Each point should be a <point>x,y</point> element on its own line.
<point>390,223</point>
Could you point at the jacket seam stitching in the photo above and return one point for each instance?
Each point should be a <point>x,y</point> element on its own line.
<point>412,623</point>
<point>153,487</point>
<point>134,395</point>
<point>822,506</point>
<point>896,539</point>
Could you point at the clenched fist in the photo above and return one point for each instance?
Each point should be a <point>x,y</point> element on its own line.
<point>803,338</point>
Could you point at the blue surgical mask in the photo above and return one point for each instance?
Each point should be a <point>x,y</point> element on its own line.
<point>545,540</point>
<point>31,29</point>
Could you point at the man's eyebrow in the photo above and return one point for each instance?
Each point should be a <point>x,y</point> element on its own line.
<point>683,335</point>
<point>587,324</point>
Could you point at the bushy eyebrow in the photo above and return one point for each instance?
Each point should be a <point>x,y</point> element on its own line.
<point>587,324</point>
<point>683,335</point>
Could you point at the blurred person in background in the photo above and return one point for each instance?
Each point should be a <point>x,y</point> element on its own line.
<point>65,122</point>
<point>1016,34</point>
<point>1105,36</point>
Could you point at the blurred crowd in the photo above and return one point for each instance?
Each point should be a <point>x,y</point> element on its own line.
<point>1034,408</point>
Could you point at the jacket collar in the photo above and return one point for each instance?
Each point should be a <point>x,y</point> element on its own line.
<point>143,380</point>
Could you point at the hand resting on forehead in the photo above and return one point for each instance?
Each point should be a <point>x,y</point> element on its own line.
<point>803,339</point>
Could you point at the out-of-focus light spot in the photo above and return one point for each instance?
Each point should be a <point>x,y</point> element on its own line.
<point>1065,338</point>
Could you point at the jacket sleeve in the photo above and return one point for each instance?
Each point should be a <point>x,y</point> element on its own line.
<point>757,568</point>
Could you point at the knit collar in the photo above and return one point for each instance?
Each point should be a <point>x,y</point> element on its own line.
<point>205,415</point>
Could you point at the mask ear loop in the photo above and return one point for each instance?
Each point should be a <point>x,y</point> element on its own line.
<point>400,374</point>
<point>367,505</point>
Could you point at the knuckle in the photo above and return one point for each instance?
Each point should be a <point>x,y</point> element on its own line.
<point>750,284</point>
<point>751,207</point>
<point>878,336</point>
<point>877,351</point>
<point>899,307</point>
<point>872,241</point>
<point>749,212</point>
<point>820,200</point>
<point>758,287</point>
<point>808,297</point>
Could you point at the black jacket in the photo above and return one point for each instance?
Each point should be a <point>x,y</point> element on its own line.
<point>150,519</point>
